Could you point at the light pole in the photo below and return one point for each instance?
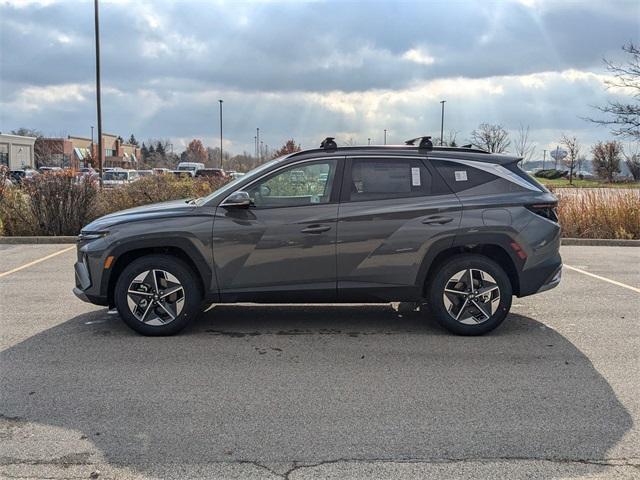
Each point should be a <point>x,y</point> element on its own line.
<point>368,141</point>
<point>258,143</point>
<point>220,133</point>
<point>544,157</point>
<point>442,102</point>
<point>98,102</point>
<point>385,136</point>
<point>90,151</point>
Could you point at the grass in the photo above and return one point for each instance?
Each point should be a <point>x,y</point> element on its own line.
<point>600,214</point>
<point>577,183</point>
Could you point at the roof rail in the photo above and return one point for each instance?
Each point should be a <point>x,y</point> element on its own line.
<point>425,142</point>
<point>329,143</point>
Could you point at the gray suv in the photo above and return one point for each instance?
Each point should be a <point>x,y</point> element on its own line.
<point>458,231</point>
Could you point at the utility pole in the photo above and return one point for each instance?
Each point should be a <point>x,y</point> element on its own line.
<point>385,136</point>
<point>220,133</point>
<point>442,102</point>
<point>368,141</point>
<point>98,102</point>
<point>258,143</point>
<point>544,157</point>
<point>255,146</point>
<point>556,159</point>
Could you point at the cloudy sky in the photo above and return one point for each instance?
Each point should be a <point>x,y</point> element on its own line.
<point>311,69</point>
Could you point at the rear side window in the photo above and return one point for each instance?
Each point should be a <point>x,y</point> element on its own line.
<point>380,178</point>
<point>467,180</point>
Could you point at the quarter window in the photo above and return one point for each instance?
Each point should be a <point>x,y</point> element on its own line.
<point>376,179</point>
<point>297,185</point>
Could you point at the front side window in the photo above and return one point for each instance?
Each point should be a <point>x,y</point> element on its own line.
<point>376,179</point>
<point>297,185</point>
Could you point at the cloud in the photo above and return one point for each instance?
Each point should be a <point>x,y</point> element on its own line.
<point>309,69</point>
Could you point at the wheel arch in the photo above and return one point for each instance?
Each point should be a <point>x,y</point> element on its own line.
<point>128,253</point>
<point>492,250</point>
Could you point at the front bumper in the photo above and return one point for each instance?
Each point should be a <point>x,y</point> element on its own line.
<point>86,288</point>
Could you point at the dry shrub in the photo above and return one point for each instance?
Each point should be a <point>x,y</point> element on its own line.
<point>154,189</point>
<point>601,213</point>
<point>60,203</point>
<point>16,217</point>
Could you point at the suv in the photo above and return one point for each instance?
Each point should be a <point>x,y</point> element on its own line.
<point>456,230</point>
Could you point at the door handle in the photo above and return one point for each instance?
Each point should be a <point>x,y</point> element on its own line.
<point>316,229</point>
<point>437,220</point>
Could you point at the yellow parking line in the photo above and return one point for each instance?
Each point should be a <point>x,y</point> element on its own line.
<point>27,265</point>
<point>604,279</point>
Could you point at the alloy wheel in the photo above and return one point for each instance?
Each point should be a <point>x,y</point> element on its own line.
<point>471,296</point>
<point>155,297</point>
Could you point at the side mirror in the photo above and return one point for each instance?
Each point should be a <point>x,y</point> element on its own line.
<point>237,200</point>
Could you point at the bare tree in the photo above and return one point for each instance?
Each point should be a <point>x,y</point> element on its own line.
<point>623,118</point>
<point>606,159</point>
<point>573,151</point>
<point>631,154</point>
<point>492,138</point>
<point>450,138</point>
<point>522,145</point>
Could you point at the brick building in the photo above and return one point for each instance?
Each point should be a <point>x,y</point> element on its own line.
<point>76,152</point>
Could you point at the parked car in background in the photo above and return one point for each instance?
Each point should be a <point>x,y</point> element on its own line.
<point>211,172</point>
<point>161,171</point>
<point>115,178</point>
<point>457,230</point>
<point>191,167</point>
<point>235,175</point>
<point>182,173</point>
<point>17,176</point>
<point>145,173</point>
<point>49,169</point>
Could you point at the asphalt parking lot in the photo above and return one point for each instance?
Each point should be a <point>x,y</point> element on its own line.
<point>309,392</point>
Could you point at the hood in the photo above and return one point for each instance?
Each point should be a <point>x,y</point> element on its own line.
<point>155,210</point>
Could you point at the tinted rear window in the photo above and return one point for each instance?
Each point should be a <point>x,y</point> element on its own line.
<point>375,179</point>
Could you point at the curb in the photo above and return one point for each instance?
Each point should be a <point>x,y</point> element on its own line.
<point>34,240</point>
<point>592,242</point>
<point>599,242</point>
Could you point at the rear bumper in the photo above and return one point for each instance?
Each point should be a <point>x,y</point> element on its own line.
<point>542,277</point>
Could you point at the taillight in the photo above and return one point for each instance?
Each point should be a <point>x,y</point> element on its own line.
<point>546,210</point>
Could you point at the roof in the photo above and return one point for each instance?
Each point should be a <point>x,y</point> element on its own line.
<point>396,150</point>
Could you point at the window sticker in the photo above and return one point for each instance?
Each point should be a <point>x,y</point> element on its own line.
<point>461,175</point>
<point>415,177</point>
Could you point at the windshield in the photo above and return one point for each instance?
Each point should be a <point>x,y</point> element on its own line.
<point>228,187</point>
<point>115,176</point>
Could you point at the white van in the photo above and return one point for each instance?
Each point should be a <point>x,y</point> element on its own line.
<point>191,167</point>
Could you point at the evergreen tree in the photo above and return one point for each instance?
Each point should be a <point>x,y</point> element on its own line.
<point>133,141</point>
<point>144,151</point>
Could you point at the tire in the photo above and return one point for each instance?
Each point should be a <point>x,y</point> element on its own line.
<point>149,311</point>
<point>487,305</point>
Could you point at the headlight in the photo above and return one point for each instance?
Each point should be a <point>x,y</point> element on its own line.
<point>86,236</point>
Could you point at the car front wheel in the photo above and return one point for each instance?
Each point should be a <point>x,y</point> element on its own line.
<point>469,295</point>
<point>157,295</point>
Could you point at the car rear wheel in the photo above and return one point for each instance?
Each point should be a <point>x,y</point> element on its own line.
<point>469,295</point>
<point>157,295</point>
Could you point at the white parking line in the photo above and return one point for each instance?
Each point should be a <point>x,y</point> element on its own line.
<point>604,279</point>
<point>26,265</point>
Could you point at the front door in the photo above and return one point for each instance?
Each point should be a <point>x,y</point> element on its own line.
<point>283,247</point>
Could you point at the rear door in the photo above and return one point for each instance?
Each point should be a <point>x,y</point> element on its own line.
<point>392,210</point>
